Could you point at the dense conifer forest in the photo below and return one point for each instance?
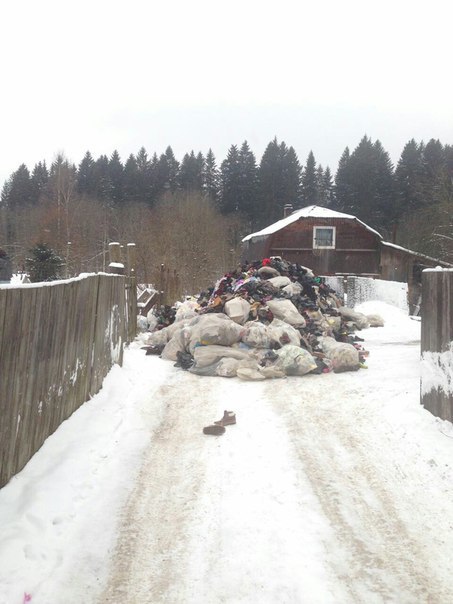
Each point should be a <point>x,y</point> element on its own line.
<point>192,214</point>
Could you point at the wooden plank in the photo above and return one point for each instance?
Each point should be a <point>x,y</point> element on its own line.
<point>437,339</point>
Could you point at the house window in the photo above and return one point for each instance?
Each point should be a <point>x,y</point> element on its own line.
<point>324,237</point>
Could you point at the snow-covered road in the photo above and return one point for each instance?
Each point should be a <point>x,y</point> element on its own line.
<point>329,489</point>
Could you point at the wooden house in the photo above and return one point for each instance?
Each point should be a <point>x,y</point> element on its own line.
<point>333,243</point>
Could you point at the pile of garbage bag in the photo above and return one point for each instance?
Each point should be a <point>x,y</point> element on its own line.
<point>268,319</point>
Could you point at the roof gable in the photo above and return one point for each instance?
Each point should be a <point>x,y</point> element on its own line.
<point>307,212</point>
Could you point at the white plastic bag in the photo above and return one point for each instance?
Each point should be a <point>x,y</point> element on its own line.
<point>227,367</point>
<point>294,360</point>
<point>344,356</point>
<point>142,323</point>
<point>281,333</point>
<point>272,372</point>
<point>152,320</point>
<point>319,319</point>
<point>333,322</point>
<point>280,281</point>
<point>206,355</point>
<point>186,310</point>
<point>214,328</point>
<point>178,343</point>
<point>206,370</point>
<point>293,289</point>
<point>359,319</point>
<point>250,372</point>
<point>286,311</point>
<point>375,320</point>
<point>238,310</point>
<point>310,273</point>
<point>255,335</point>
<point>159,338</point>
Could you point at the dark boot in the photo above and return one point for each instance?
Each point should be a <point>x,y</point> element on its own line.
<point>228,419</point>
<point>214,430</point>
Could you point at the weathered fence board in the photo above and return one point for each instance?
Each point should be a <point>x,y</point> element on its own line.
<point>57,343</point>
<point>437,342</point>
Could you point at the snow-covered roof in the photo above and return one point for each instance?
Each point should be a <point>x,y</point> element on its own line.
<point>307,212</point>
<point>403,249</point>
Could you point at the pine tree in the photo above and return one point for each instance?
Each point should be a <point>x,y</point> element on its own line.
<point>291,176</point>
<point>39,180</point>
<point>275,189</point>
<point>230,181</point>
<point>247,182</point>
<point>270,185</point>
<point>326,189</point>
<point>363,173</point>
<point>309,185</point>
<point>448,172</point>
<point>86,184</point>
<point>211,177</point>
<point>343,184</point>
<point>43,264</point>
<point>200,170</point>
<point>384,213</point>
<point>434,170</point>
<point>101,178</point>
<point>167,172</point>
<point>19,190</point>
<point>154,170</point>
<point>6,191</point>
<point>191,172</point>
<point>116,176</point>
<point>364,184</point>
<point>319,184</point>
<point>409,175</point>
<point>130,180</point>
<point>144,177</point>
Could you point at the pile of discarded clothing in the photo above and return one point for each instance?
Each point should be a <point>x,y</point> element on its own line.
<point>268,319</point>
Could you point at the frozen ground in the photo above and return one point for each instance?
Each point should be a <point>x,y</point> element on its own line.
<point>330,489</point>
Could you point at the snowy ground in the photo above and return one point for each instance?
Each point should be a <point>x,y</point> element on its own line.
<point>330,489</point>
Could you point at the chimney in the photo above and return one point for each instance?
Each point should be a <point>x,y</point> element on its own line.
<point>287,209</point>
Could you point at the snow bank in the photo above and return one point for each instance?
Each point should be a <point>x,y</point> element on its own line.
<point>437,371</point>
<point>70,492</point>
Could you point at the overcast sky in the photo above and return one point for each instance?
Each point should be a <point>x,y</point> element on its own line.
<point>101,75</point>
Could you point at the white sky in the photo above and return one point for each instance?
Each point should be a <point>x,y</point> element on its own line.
<point>101,75</point>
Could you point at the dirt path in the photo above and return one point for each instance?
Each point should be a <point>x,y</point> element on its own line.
<point>297,503</point>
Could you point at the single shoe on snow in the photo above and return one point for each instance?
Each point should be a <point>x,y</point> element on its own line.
<point>214,430</point>
<point>229,418</point>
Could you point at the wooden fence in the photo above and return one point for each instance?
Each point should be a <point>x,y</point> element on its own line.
<point>167,283</point>
<point>437,342</point>
<point>57,343</point>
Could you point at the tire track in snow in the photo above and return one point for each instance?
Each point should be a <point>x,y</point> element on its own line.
<point>373,554</point>
<point>224,519</point>
<point>151,550</point>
